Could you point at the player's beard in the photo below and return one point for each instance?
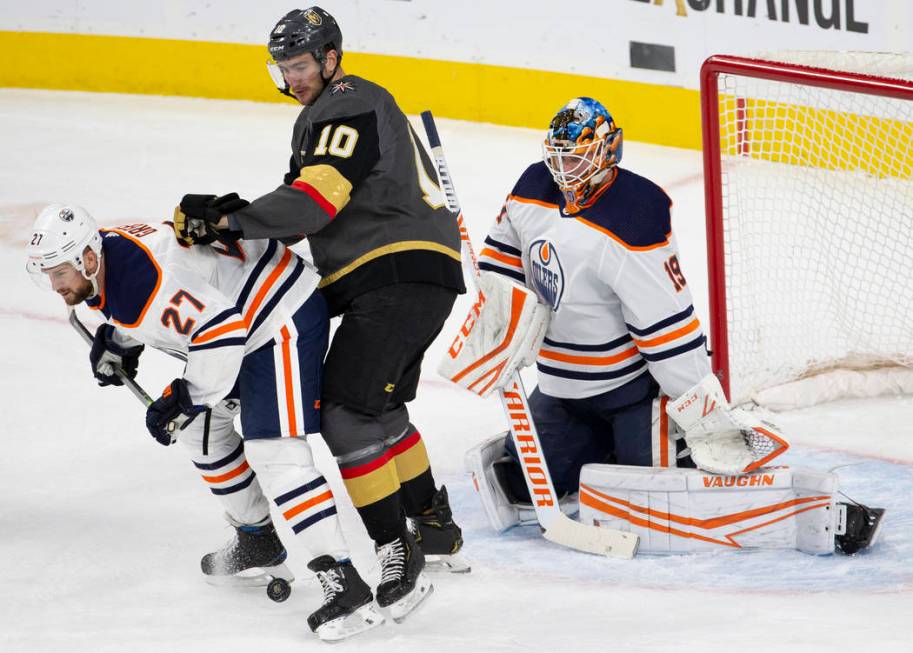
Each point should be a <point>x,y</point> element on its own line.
<point>79,295</point>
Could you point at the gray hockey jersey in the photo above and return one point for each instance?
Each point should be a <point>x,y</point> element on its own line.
<point>363,191</point>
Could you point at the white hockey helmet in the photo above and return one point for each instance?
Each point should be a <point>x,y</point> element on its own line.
<point>61,234</point>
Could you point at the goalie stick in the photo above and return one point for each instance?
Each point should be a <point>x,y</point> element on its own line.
<point>132,385</point>
<point>556,526</point>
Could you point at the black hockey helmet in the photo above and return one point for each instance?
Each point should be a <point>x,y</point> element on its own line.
<point>305,30</point>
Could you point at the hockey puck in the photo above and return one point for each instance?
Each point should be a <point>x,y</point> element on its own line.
<point>278,590</point>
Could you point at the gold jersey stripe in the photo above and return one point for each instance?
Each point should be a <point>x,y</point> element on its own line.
<point>402,246</point>
<point>329,182</point>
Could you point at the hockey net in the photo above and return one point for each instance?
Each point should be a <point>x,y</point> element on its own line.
<point>808,162</point>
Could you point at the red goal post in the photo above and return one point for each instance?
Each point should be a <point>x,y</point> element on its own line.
<point>808,172</point>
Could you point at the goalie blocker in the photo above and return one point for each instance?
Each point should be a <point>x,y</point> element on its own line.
<point>502,333</point>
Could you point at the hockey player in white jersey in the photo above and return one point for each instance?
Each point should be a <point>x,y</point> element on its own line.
<point>254,333</point>
<point>622,350</point>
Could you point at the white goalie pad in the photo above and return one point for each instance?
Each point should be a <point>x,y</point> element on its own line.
<point>502,514</point>
<point>722,439</point>
<point>502,333</point>
<point>687,510</point>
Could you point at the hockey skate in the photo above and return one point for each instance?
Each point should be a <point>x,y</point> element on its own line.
<point>862,529</point>
<point>255,557</point>
<point>348,604</point>
<point>403,585</point>
<point>439,538</point>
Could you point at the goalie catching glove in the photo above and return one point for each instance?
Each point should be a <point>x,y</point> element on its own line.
<point>196,218</point>
<point>723,439</point>
<point>502,333</point>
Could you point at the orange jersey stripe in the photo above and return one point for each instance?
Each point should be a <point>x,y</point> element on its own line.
<point>589,360</point>
<point>663,433</point>
<point>270,281</point>
<point>310,503</point>
<point>215,333</point>
<point>527,200</point>
<point>227,476</point>
<point>289,386</point>
<point>513,261</point>
<point>692,326</point>
<point>617,239</point>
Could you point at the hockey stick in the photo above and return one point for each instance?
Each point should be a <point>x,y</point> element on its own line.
<point>132,385</point>
<point>556,526</point>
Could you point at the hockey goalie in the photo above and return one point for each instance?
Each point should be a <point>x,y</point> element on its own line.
<point>581,275</point>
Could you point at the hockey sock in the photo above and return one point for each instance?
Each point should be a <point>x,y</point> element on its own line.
<point>373,484</point>
<point>384,519</point>
<point>229,477</point>
<point>300,492</point>
<point>414,472</point>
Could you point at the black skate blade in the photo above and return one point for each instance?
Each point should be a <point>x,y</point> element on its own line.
<point>253,577</point>
<point>401,609</point>
<point>448,564</point>
<point>364,618</point>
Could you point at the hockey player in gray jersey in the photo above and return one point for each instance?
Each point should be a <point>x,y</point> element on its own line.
<point>360,189</point>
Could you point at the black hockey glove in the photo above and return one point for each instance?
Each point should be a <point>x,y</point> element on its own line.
<point>172,412</point>
<point>106,356</point>
<point>196,218</point>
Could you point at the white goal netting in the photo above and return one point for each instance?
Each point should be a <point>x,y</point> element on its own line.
<point>817,205</point>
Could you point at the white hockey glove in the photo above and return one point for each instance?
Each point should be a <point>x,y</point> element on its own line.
<point>502,333</point>
<point>722,439</point>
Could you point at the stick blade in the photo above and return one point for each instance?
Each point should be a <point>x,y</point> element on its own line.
<point>592,539</point>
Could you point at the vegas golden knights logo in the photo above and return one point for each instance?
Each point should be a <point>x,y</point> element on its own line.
<point>314,18</point>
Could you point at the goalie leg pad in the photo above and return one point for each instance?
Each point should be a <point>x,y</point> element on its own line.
<point>480,463</point>
<point>686,510</point>
<point>486,463</point>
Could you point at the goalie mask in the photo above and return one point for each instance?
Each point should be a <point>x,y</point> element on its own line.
<point>61,234</point>
<point>310,30</point>
<point>583,144</point>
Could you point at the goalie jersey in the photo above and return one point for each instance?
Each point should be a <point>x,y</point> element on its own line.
<point>211,305</point>
<point>611,275</point>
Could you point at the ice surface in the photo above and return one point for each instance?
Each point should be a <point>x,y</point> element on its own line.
<point>101,529</point>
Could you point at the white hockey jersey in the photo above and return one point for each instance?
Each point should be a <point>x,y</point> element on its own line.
<point>211,304</point>
<point>611,275</point>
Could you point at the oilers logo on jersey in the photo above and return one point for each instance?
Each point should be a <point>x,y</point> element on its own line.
<point>548,275</point>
